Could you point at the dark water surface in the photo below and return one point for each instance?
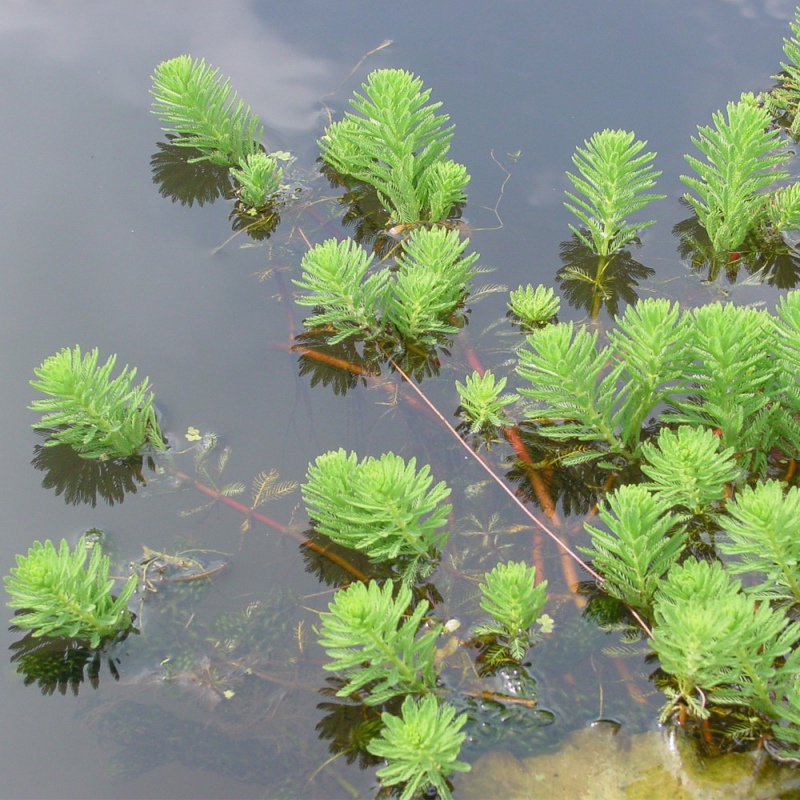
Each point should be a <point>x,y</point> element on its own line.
<point>93,254</point>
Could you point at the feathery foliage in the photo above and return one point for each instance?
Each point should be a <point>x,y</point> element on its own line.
<point>335,277</point>
<point>763,526</point>
<point>482,401</point>
<point>743,157</point>
<point>371,638</point>
<point>259,178</point>
<point>642,543</point>
<point>398,144</point>
<point>534,307</point>
<point>785,98</point>
<point>63,595</point>
<point>514,601</point>
<point>687,469</point>
<point>715,642</point>
<point>614,182</point>
<point>416,303</point>
<point>585,399</point>
<point>421,746</point>
<point>97,416</point>
<point>383,506</point>
<point>204,112</point>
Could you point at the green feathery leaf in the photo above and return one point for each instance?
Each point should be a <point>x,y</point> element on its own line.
<point>97,416</point>
<point>421,747</point>
<point>204,112</point>
<point>482,401</point>
<point>743,155</point>
<point>371,638</point>
<point>614,180</point>
<point>63,595</point>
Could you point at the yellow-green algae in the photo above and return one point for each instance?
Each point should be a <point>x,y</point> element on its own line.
<point>598,764</point>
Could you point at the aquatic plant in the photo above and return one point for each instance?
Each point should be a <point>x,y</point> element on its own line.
<point>385,507</point>
<point>415,303</point>
<point>743,156</point>
<point>97,416</point>
<point>421,746</point>
<point>514,602</point>
<point>482,401</point>
<point>535,307</point>
<point>259,178</point>
<point>376,644</point>
<point>614,182</point>
<point>398,144</point>
<point>68,593</point>
<point>642,543</point>
<point>784,99</point>
<point>204,112</point>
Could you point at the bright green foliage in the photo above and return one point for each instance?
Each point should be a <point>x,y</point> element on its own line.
<point>399,146</point>
<point>763,525</point>
<point>743,155</point>
<point>97,416</point>
<point>482,401</point>
<point>204,112</point>
<point>717,645</point>
<point>740,383</point>
<point>371,638</point>
<point>723,367</point>
<point>614,181</point>
<point>786,96</point>
<point>510,596</point>
<point>415,303</point>
<point>421,746</point>
<point>605,396</point>
<point>688,469</point>
<point>383,506</point>
<point>641,545</point>
<point>335,277</point>
<point>63,595</point>
<point>432,280</point>
<point>259,179</point>
<point>534,307</point>
<point>784,208</point>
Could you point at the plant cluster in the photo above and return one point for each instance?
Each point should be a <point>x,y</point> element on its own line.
<point>97,416</point>
<point>201,111</point>
<point>398,145</point>
<point>63,593</point>
<point>416,302</point>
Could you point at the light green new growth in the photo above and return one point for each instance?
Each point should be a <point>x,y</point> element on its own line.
<point>743,155</point>
<point>784,208</point>
<point>534,307</point>
<point>688,469</point>
<point>642,543</point>
<point>203,112</point>
<point>335,277</point>
<point>718,645</point>
<point>510,596</point>
<point>786,96</point>
<point>421,746</point>
<point>62,595</point>
<point>399,146</point>
<point>99,417</point>
<point>614,182</point>
<point>371,638</point>
<point>259,179</point>
<point>763,526</point>
<point>482,401</point>
<point>416,303</point>
<point>383,506</point>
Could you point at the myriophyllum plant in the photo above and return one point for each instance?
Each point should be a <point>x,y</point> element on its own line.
<point>97,416</point>
<point>613,181</point>
<point>398,144</point>
<point>64,593</point>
